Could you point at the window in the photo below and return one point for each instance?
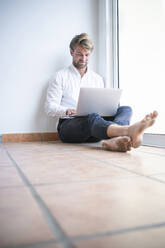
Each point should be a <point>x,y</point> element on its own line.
<point>141,60</point>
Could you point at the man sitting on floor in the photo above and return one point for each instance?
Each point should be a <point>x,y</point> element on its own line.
<point>115,132</point>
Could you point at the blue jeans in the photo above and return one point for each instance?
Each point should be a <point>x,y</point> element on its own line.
<point>91,128</point>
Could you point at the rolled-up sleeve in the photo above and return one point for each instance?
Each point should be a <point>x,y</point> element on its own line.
<point>53,106</point>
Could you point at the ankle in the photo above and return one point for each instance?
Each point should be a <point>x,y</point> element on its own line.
<point>125,130</point>
<point>117,130</point>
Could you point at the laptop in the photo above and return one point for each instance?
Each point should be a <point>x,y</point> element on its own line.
<point>104,101</point>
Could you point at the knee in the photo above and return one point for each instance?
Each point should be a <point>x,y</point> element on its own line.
<point>127,109</point>
<point>93,116</point>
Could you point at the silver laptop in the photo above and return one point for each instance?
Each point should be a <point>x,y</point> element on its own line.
<point>103,101</point>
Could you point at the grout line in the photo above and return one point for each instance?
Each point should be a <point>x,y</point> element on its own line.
<point>118,232</point>
<point>88,180</point>
<point>157,174</point>
<point>51,221</point>
<point>94,236</point>
<point>72,181</point>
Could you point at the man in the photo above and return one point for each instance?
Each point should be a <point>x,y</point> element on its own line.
<point>62,96</point>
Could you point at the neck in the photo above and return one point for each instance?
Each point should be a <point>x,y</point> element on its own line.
<point>82,71</point>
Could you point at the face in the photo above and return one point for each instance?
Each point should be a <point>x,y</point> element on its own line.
<point>80,57</point>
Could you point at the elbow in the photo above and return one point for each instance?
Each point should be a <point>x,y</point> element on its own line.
<point>49,111</point>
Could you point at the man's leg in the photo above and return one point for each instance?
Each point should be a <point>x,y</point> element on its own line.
<point>135,131</point>
<point>81,129</point>
<point>118,137</point>
<point>121,143</point>
<point>99,126</point>
<point>91,128</point>
<point>123,116</point>
<point>75,130</point>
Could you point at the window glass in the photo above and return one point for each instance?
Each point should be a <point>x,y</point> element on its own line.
<point>142,58</point>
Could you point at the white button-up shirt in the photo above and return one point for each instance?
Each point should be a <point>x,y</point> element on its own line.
<point>64,87</point>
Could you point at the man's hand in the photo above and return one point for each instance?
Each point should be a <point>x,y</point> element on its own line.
<point>70,111</point>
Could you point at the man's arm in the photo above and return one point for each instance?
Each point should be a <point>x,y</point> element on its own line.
<point>53,99</point>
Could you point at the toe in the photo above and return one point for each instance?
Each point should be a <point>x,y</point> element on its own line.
<point>104,144</point>
<point>155,114</point>
<point>129,146</point>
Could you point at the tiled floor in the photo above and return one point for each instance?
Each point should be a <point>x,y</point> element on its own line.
<point>55,195</point>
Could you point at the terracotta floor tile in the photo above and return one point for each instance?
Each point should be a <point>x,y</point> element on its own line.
<point>50,244</point>
<point>88,194</point>
<point>41,153</point>
<point>60,245</point>
<point>20,219</point>
<point>4,159</point>
<point>53,246</point>
<point>152,238</point>
<point>91,207</point>
<point>9,177</point>
<point>60,165</point>
<point>72,170</point>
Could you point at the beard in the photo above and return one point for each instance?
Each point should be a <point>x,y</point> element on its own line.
<point>79,65</point>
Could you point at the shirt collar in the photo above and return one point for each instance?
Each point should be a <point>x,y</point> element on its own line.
<point>73,68</point>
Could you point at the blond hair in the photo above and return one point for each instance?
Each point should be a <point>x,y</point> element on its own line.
<point>82,40</point>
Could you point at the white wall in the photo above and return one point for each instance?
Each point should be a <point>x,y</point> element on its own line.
<point>34,43</point>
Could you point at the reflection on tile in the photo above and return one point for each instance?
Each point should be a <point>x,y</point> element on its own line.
<point>152,150</point>
<point>88,208</point>
<point>142,163</point>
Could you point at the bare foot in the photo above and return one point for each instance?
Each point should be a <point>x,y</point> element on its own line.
<point>120,144</point>
<point>136,130</point>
